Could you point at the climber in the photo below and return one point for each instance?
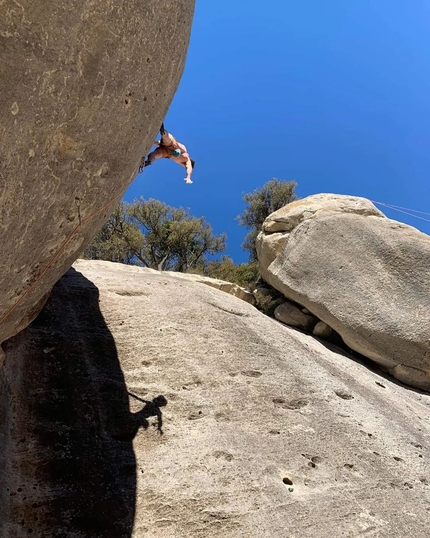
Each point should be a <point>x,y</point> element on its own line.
<point>170,148</point>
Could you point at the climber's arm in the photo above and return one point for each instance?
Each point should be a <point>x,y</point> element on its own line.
<point>189,169</point>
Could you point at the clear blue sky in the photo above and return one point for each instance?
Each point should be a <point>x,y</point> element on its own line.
<point>334,94</point>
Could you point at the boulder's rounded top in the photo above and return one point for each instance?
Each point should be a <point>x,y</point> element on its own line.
<point>291,215</point>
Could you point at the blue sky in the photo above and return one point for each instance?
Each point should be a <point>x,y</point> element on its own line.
<point>334,94</point>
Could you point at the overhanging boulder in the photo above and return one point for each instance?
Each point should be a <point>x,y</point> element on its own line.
<point>85,86</point>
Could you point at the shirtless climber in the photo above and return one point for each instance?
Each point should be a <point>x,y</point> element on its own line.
<point>170,148</point>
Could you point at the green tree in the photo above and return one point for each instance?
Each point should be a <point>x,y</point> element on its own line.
<point>116,240</point>
<point>153,234</point>
<point>259,205</point>
<point>244,274</point>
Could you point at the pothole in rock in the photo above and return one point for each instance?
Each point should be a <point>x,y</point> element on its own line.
<point>297,403</point>
<point>344,395</point>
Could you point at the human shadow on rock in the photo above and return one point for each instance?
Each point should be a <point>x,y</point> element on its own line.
<point>67,432</point>
<point>151,409</point>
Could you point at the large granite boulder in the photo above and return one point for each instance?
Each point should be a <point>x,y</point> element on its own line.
<point>267,432</point>
<point>84,88</point>
<point>365,276</point>
<point>278,225</point>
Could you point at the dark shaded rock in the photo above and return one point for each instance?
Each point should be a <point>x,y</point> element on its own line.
<point>66,459</point>
<point>291,314</point>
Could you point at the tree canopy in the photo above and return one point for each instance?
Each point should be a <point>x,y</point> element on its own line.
<point>260,204</point>
<point>244,274</point>
<point>153,234</point>
<point>156,235</point>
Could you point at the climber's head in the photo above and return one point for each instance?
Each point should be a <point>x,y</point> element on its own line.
<point>177,152</point>
<point>159,401</point>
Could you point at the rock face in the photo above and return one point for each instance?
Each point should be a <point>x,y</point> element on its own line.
<point>84,88</point>
<point>322,329</point>
<point>279,224</point>
<point>267,432</point>
<point>228,287</point>
<point>291,314</point>
<point>365,276</point>
<point>317,205</point>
